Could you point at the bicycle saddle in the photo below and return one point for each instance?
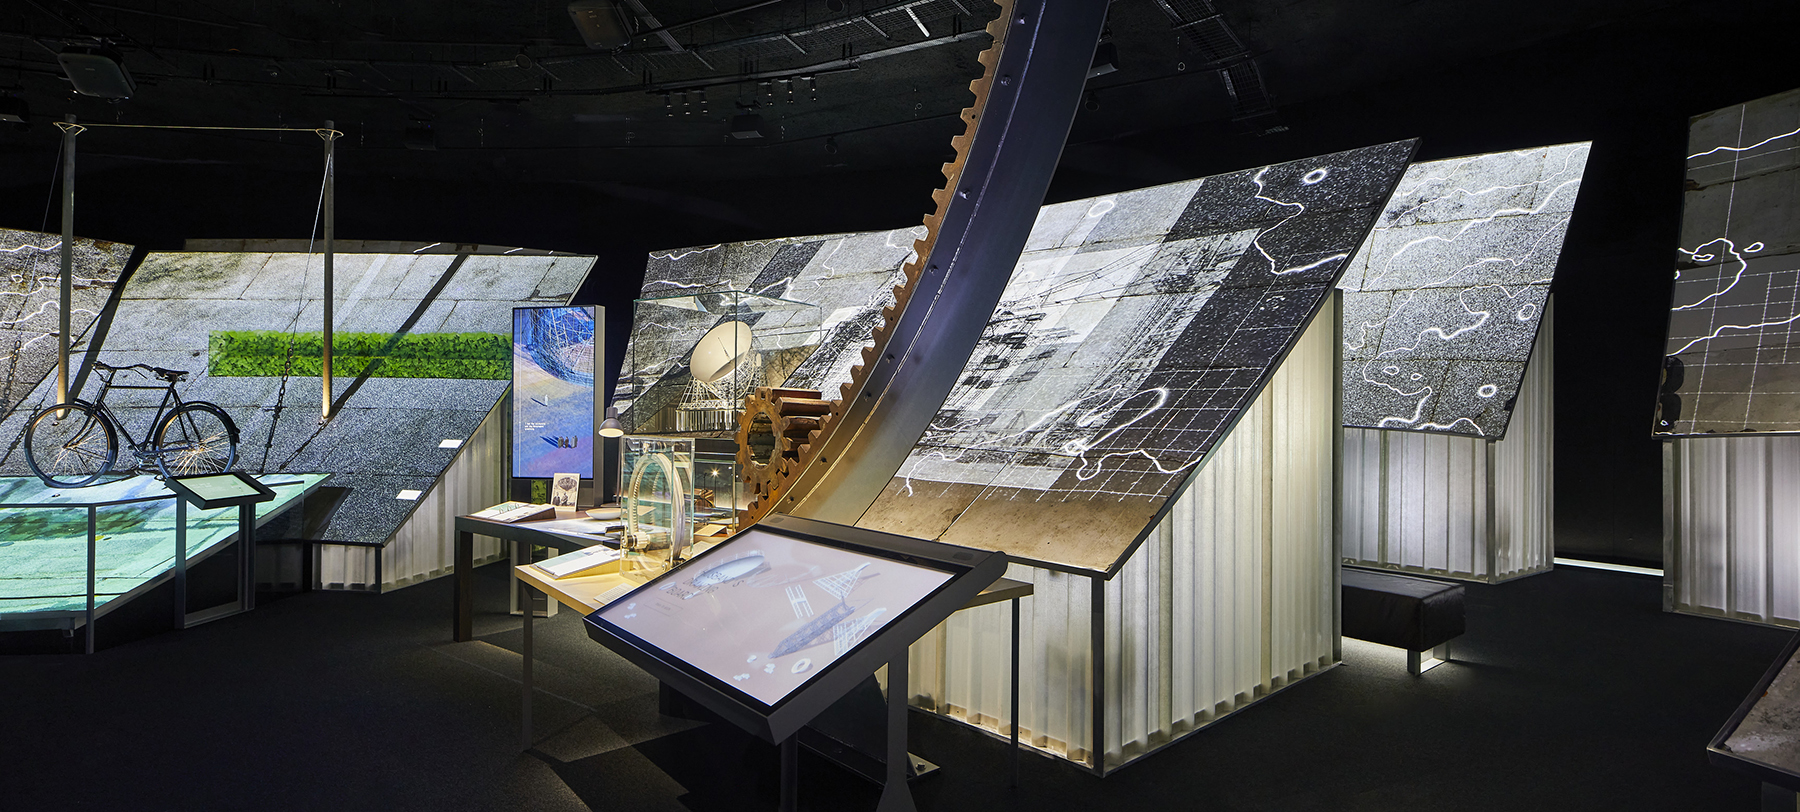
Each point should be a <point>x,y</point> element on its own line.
<point>170,375</point>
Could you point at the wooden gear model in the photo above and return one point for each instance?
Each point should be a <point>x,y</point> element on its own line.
<point>828,459</point>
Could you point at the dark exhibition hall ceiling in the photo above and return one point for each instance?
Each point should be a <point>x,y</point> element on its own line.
<point>477,94</point>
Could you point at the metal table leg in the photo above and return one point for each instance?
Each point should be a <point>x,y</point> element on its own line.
<point>464,578</point>
<point>1013,780</point>
<point>896,794</point>
<point>790,773</point>
<point>528,599</point>
<point>247,556</point>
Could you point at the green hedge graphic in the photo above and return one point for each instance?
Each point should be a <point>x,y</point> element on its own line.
<point>271,353</point>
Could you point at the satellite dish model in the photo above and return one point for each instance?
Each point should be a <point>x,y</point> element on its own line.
<point>720,351</point>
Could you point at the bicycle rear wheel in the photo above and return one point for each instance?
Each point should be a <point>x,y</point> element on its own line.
<point>194,439</point>
<point>70,445</point>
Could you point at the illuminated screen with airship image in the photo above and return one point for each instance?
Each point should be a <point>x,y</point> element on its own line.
<point>765,613</point>
<point>553,391</point>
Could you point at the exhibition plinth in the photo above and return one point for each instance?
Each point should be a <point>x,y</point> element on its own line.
<point>1451,506</point>
<point>1728,411</point>
<point>589,591</point>
<point>72,555</point>
<point>1448,367</point>
<point>717,630</point>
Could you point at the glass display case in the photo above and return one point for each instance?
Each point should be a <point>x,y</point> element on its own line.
<point>693,357</point>
<point>656,498</point>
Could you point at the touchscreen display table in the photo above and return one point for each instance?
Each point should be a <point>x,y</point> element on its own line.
<point>774,624</point>
<point>229,489</point>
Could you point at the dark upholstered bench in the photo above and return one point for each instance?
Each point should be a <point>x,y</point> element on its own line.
<point>1417,614</point>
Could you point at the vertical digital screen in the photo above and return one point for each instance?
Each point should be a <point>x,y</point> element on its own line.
<point>765,613</point>
<point>553,391</point>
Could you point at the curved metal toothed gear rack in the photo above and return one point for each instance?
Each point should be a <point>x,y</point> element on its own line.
<point>1025,101</point>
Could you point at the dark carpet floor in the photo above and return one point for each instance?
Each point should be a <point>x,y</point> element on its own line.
<point>1570,691</point>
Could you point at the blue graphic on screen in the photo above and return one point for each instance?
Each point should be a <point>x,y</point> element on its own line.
<point>553,391</point>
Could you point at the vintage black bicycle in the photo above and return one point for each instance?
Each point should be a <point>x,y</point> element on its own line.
<point>73,444</point>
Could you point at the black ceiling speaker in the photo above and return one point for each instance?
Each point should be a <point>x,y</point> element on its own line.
<point>1106,60</point>
<point>749,125</point>
<point>97,71</point>
<point>602,25</point>
<point>419,136</point>
<point>14,111</point>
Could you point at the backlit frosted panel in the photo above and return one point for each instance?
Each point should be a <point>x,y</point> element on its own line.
<point>1134,331</point>
<point>1228,599</point>
<point>1525,471</point>
<point>1733,360</point>
<point>1730,524</point>
<point>812,305</point>
<point>30,297</point>
<point>1443,302</point>
<point>1452,506</point>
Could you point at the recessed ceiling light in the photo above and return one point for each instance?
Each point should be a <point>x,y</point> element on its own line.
<point>450,444</point>
<point>409,495</point>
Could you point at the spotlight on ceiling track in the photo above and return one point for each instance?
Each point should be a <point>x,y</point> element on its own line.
<point>748,125</point>
<point>97,70</point>
<point>1106,60</point>
<point>602,25</point>
<point>831,145</point>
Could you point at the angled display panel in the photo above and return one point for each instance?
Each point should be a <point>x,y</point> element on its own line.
<point>1135,330</point>
<point>421,354</point>
<point>553,367</point>
<point>30,274</point>
<point>1759,740</point>
<point>1442,304</point>
<point>1731,364</point>
<point>773,625</point>
<point>803,308</point>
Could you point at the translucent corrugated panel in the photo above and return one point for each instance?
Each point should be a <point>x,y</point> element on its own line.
<point>1732,527</point>
<point>1231,597</point>
<point>1421,502</point>
<point>424,547</point>
<point>1524,469</point>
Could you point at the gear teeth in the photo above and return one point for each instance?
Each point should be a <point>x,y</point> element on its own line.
<point>771,480</point>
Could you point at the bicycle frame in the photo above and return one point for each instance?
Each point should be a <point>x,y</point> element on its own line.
<point>171,400</point>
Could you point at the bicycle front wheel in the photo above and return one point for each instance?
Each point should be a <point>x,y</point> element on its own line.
<point>70,445</point>
<point>194,439</point>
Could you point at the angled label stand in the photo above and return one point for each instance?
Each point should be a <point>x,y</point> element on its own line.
<point>208,492</point>
<point>771,627</point>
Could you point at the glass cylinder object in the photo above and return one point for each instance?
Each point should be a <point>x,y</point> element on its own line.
<point>658,503</point>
